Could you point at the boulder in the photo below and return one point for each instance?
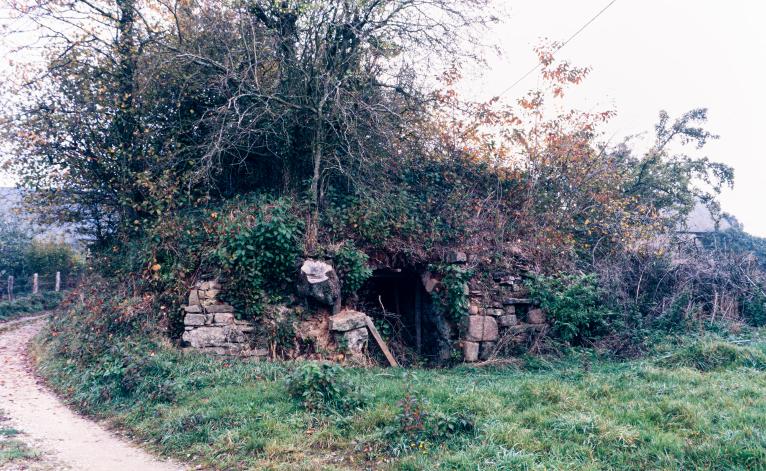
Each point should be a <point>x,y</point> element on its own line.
<point>223,318</point>
<point>455,256</point>
<point>356,340</point>
<point>507,320</point>
<point>481,328</point>
<point>470,351</point>
<point>195,319</point>
<point>319,281</point>
<point>348,320</point>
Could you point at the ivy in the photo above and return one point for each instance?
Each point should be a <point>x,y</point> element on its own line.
<point>352,268</point>
<point>453,295</point>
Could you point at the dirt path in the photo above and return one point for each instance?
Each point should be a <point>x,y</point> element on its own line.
<point>53,429</point>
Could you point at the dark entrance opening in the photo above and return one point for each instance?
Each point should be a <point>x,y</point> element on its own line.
<point>404,313</point>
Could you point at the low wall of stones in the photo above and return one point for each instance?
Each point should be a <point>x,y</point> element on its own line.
<point>211,326</point>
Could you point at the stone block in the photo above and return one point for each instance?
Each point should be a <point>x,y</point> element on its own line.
<point>219,308</point>
<point>205,337</point>
<point>496,312</point>
<point>356,340</point>
<point>210,293</point>
<point>515,301</point>
<point>455,256</point>
<point>195,319</point>
<point>536,316</point>
<point>223,318</point>
<point>193,309</point>
<point>507,320</point>
<point>470,351</point>
<point>481,328</point>
<point>348,320</point>
<point>510,309</point>
<point>193,297</point>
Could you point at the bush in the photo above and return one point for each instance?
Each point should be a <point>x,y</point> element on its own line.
<point>29,304</point>
<point>260,256</point>
<point>574,303</point>
<point>715,355</point>
<point>351,265</point>
<point>322,387</point>
<point>453,295</point>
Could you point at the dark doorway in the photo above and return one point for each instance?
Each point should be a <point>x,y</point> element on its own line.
<point>400,306</point>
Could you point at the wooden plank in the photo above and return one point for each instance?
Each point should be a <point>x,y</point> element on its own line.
<point>381,343</point>
<point>418,321</point>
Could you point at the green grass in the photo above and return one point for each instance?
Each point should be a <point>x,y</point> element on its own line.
<point>697,405</point>
<point>12,450</point>
<point>31,304</point>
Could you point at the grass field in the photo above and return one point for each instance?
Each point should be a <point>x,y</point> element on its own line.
<point>696,403</point>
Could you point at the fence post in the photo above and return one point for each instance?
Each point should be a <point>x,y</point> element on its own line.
<point>58,281</point>
<point>10,287</point>
<point>34,283</point>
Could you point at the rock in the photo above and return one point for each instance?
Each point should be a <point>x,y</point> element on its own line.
<point>486,350</point>
<point>510,309</point>
<point>205,337</point>
<point>210,284</point>
<point>473,310</point>
<point>455,256</point>
<point>429,282</point>
<point>356,340</point>
<point>193,297</point>
<point>481,328</point>
<point>514,301</point>
<point>348,320</point>
<point>319,281</point>
<point>211,293</point>
<point>470,351</point>
<point>507,320</point>
<point>223,318</point>
<point>193,309</point>
<point>496,312</point>
<point>536,316</point>
<point>219,308</point>
<point>195,319</point>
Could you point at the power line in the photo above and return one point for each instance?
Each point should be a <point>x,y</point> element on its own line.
<point>574,35</point>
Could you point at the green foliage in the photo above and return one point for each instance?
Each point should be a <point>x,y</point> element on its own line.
<point>14,244</point>
<point>453,294</point>
<point>575,303</point>
<point>47,257</point>
<point>260,256</point>
<point>352,268</point>
<point>322,387</point>
<point>754,310</point>
<point>713,355</point>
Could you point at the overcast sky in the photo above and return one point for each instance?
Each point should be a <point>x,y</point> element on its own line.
<point>650,55</point>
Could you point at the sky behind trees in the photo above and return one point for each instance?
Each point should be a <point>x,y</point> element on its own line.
<point>646,56</point>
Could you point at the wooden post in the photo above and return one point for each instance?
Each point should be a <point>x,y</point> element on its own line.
<point>58,281</point>
<point>418,321</point>
<point>381,343</point>
<point>10,288</point>
<point>34,284</point>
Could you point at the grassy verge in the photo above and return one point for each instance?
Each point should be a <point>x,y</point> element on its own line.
<point>19,307</point>
<point>699,404</point>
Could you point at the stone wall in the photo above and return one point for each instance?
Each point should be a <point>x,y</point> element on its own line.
<point>211,325</point>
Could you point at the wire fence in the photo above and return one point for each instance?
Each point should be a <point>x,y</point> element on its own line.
<point>13,287</point>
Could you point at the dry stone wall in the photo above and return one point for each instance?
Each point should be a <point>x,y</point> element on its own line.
<point>211,325</point>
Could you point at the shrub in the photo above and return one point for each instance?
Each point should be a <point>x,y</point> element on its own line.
<point>260,256</point>
<point>322,387</point>
<point>754,310</point>
<point>351,265</point>
<point>29,304</point>
<point>575,303</point>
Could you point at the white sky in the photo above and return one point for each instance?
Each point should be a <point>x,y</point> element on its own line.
<point>646,56</point>
<point>650,55</point>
